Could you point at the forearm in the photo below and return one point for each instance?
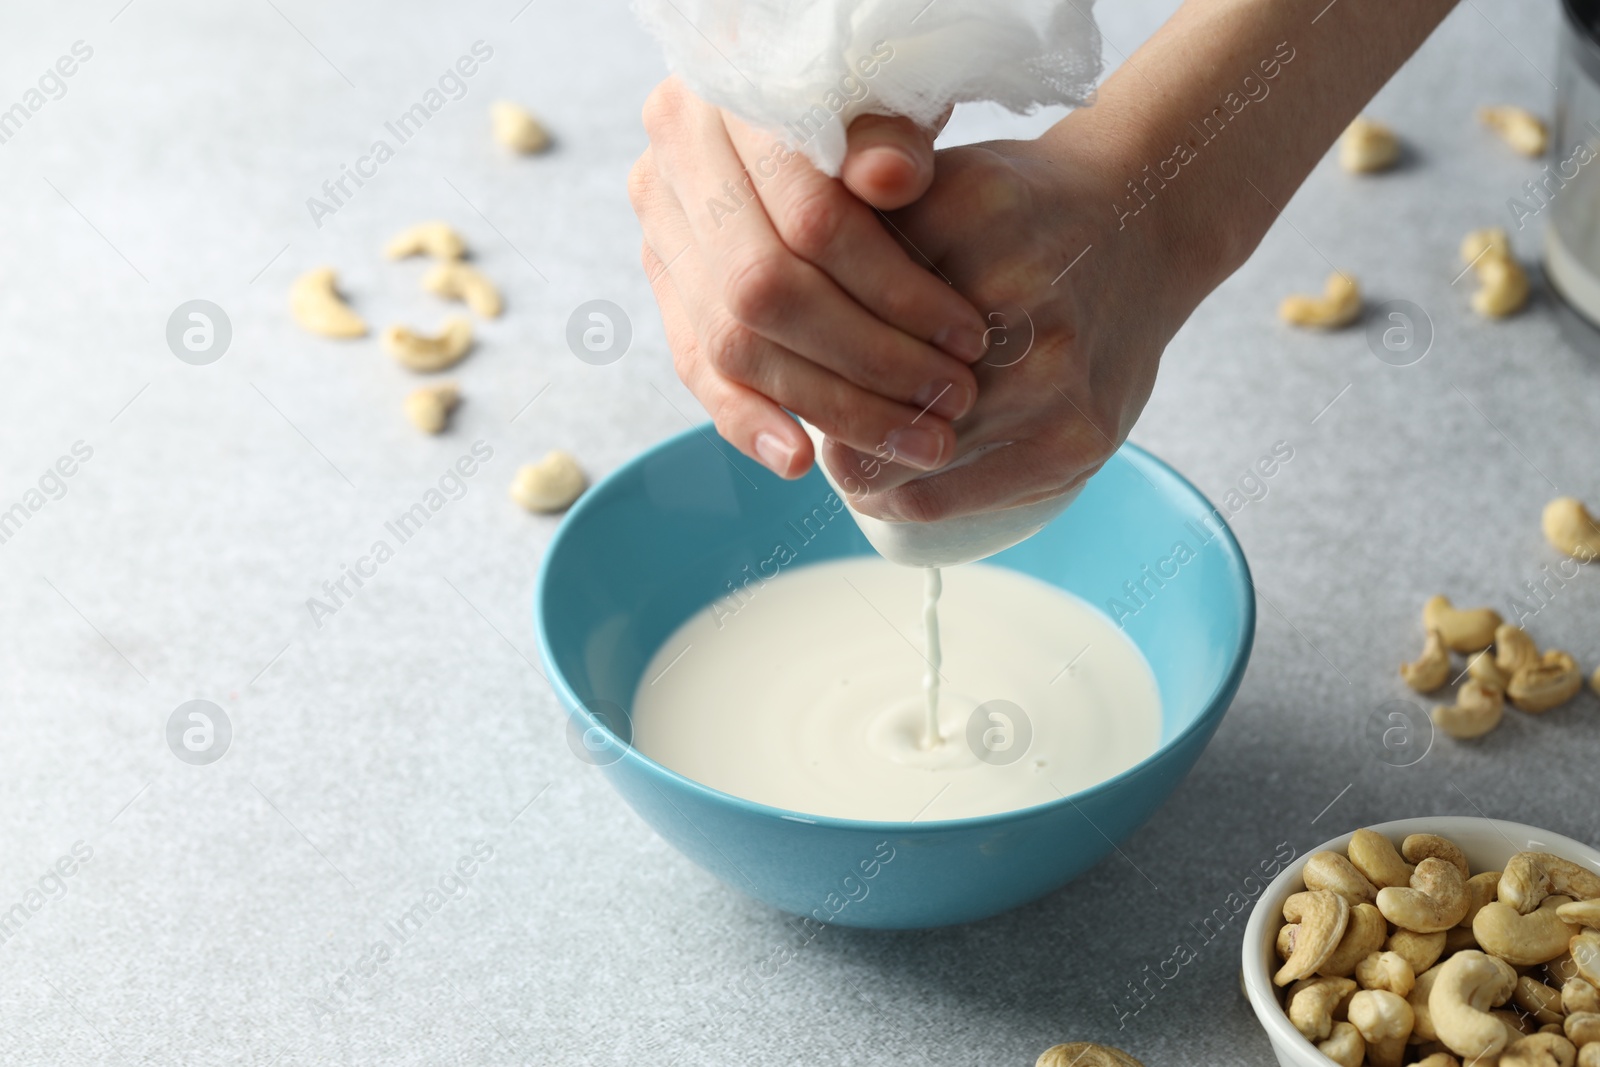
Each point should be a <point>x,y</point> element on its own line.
<point>1220,116</point>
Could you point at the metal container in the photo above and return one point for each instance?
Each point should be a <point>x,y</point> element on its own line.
<point>1568,189</point>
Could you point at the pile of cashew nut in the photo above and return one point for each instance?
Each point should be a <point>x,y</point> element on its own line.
<point>1503,664</point>
<point>1396,957</point>
<point>1370,147</point>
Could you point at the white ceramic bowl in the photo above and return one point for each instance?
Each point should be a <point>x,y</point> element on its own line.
<point>1488,843</point>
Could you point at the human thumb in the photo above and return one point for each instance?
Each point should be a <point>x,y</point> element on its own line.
<point>889,160</point>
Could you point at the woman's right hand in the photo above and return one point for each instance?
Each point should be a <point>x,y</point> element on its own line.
<point>797,296</point>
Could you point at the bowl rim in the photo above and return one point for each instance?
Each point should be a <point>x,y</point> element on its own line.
<point>1216,703</point>
<point>1258,987</point>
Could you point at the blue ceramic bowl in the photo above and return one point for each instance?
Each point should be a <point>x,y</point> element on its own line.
<point>657,540</point>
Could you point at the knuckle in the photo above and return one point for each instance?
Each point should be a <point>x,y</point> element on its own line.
<point>813,221</point>
<point>731,350</point>
<point>755,288</point>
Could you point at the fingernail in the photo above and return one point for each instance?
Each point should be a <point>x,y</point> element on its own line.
<point>916,446</point>
<point>963,342</point>
<point>775,452</point>
<point>944,399</point>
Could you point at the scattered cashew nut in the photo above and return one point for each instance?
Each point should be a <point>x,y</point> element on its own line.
<point>1571,529</point>
<point>1502,283</point>
<point>1084,1054</point>
<point>516,127</point>
<point>1436,898</point>
<point>1339,305</point>
<point>553,483</point>
<point>1520,128</point>
<point>1479,707</point>
<point>1513,650</point>
<point>1385,1021</point>
<point>1468,630</point>
<point>1481,667</point>
<point>424,354</point>
<point>429,408</point>
<point>1579,995</point>
<point>455,280</point>
<point>315,303</point>
<point>1553,681</point>
<point>1368,147</point>
<point>1431,669</point>
<point>434,239</point>
<point>1468,985</point>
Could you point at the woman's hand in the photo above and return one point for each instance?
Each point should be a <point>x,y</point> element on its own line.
<point>780,288</point>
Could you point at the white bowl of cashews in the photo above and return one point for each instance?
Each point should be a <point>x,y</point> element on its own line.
<point>1504,970</point>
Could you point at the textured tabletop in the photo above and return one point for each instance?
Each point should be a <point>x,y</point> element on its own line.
<point>244,910</point>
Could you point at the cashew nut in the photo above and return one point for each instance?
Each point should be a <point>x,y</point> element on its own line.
<point>1367,147</point>
<point>429,408</point>
<point>1481,889</point>
<point>1579,995</point>
<point>1555,680</point>
<point>1385,1021</point>
<point>1339,305</point>
<point>1377,859</point>
<point>1540,1050</point>
<point>1285,942</point>
<point>1585,950</point>
<point>1481,667</point>
<point>1502,283</point>
<point>1517,1027</point>
<point>1422,951</point>
<point>1521,939</point>
<point>455,280</point>
<point>1479,707</point>
<point>1514,650</point>
<point>1437,1059</point>
<point>1571,529</point>
<point>1335,873</point>
<point>1582,1027</point>
<point>1312,1003</point>
<point>1418,999</point>
<point>1084,1054</point>
<point>1344,1045</point>
<point>1589,1055</point>
<point>1386,970</point>
<point>315,303</point>
<point>1468,985</point>
<point>1468,630</point>
<point>1518,127</point>
<point>1364,934</point>
<point>1531,876</point>
<point>515,127</point>
<point>1562,969</point>
<point>1431,669</point>
<point>425,354</point>
<point>553,483</point>
<point>434,239</point>
<point>1418,847</point>
<point>1538,999</point>
<point>1581,913</point>
<point>1436,898</point>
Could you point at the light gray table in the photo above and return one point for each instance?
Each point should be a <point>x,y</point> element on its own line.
<point>228,912</point>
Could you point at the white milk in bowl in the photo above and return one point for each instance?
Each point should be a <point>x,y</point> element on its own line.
<point>816,691</point>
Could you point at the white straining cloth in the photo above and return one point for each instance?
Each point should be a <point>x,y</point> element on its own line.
<point>805,68</point>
